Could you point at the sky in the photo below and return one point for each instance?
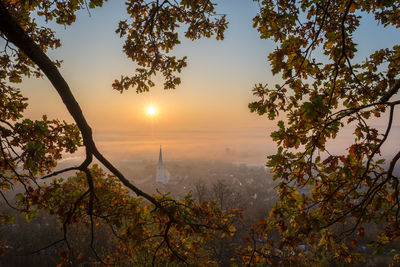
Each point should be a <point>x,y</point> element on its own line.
<point>206,116</point>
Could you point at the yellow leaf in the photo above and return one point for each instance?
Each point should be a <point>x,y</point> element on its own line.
<point>352,8</point>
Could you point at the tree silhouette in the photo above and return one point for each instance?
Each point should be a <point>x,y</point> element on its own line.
<point>324,90</point>
<point>319,96</point>
<point>167,229</point>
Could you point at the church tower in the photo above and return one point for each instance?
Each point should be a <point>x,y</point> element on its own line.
<point>160,176</point>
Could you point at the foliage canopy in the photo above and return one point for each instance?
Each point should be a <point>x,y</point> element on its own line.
<point>164,228</point>
<point>324,90</point>
<point>319,96</point>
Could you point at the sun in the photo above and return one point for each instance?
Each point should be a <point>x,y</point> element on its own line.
<point>151,110</point>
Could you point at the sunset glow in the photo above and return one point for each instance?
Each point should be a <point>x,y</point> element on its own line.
<point>204,116</point>
<point>151,110</point>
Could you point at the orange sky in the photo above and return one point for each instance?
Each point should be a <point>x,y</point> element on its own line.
<point>205,116</point>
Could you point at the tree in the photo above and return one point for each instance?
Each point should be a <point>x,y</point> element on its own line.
<point>320,96</point>
<point>165,228</point>
<point>325,89</point>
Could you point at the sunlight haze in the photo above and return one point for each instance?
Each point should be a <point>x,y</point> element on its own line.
<point>206,115</point>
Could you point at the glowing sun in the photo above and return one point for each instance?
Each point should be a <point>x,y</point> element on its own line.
<point>151,110</point>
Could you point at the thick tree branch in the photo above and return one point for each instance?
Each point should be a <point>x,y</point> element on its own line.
<point>395,88</point>
<point>392,165</point>
<point>15,34</point>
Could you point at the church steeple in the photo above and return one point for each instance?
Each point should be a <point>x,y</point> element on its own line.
<point>160,157</point>
<point>160,176</point>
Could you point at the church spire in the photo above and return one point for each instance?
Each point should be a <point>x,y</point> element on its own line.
<point>160,157</point>
<point>160,175</point>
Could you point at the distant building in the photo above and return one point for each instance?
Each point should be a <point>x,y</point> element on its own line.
<point>161,176</point>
